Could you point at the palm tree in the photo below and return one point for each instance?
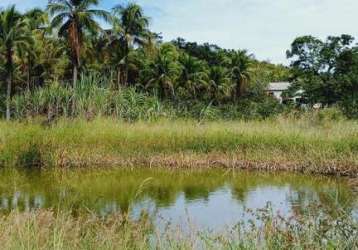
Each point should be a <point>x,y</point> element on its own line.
<point>116,49</point>
<point>220,83</point>
<point>73,18</point>
<point>163,72</point>
<point>37,20</point>
<point>13,35</point>
<point>194,77</point>
<point>129,29</point>
<point>240,63</point>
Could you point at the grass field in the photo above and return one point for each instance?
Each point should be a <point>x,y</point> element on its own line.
<point>329,147</point>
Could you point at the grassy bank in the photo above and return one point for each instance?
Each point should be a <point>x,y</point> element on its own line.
<point>304,145</point>
<point>48,230</point>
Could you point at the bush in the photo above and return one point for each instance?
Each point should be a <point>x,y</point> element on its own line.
<point>330,114</point>
<point>350,107</point>
<point>31,157</point>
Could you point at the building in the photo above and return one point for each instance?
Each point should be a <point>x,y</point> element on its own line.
<point>276,90</point>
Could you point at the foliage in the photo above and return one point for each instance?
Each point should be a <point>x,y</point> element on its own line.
<point>327,71</point>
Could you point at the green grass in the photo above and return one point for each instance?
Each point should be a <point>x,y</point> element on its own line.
<point>329,147</point>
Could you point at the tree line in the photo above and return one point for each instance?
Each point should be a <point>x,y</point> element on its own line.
<point>67,39</point>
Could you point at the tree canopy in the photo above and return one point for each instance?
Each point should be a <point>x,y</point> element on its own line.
<point>326,70</point>
<point>40,48</point>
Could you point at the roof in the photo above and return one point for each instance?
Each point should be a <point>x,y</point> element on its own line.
<point>278,86</point>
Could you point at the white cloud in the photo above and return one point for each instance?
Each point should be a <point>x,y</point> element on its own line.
<point>264,27</point>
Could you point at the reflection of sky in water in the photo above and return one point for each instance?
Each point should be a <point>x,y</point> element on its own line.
<point>217,209</point>
<point>22,201</point>
<point>221,209</point>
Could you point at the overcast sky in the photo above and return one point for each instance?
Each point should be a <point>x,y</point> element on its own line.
<point>264,27</point>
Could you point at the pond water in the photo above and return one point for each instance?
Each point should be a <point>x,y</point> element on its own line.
<point>208,199</point>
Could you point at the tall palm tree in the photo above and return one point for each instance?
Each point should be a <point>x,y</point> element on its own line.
<point>163,72</point>
<point>73,18</point>
<point>13,35</point>
<point>37,20</point>
<point>194,76</point>
<point>240,63</point>
<point>130,27</point>
<point>220,83</point>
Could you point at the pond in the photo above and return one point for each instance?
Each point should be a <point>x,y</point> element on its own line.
<point>208,199</point>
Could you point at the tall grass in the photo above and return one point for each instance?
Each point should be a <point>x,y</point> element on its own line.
<point>92,97</point>
<point>48,230</point>
<point>304,145</point>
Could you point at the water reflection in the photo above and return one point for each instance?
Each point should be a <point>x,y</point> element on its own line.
<point>22,202</point>
<point>210,198</point>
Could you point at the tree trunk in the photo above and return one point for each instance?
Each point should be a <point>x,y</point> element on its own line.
<point>28,80</point>
<point>74,84</point>
<point>125,74</point>
<point>126,77</point>
<point>8,97</point>
<point>118,77</point>
<point>75,75</point>
<point>9,66</point>
<point>238,90</point>
<point>74,39</point>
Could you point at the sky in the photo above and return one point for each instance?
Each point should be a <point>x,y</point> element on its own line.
<point>265,28</point>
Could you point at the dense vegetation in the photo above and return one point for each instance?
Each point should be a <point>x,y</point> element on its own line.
<point>57,61</point>
<point>311,144</point>
<point>327,71</point>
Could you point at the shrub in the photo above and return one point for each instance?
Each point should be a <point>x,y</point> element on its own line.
<point>30,157</point>
<point>350,107</point>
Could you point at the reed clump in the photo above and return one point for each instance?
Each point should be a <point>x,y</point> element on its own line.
<point>282,143</point>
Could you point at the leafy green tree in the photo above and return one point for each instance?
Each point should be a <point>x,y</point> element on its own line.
<point>305,54</point>
<point>210,53</point>
<point>317,67</point>
<point>73,18</point>
<point>13,36</point>
<point>347,74</point>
